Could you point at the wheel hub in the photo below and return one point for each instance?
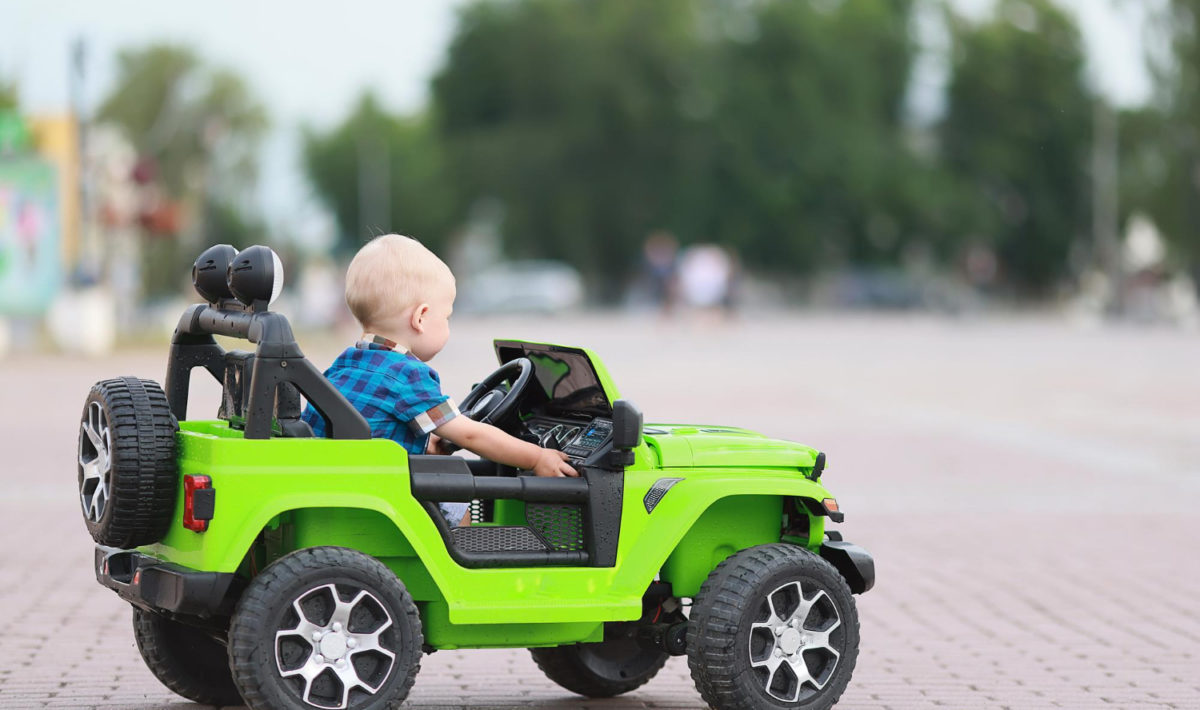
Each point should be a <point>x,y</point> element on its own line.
<point>791,641</point>
<point>792,650</point>
<point>95,462</point>
<point>333,645</point>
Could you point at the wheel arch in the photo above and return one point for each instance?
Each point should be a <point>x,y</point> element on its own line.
<point>724,524</point>
<point>398,532</point>
<point>369,530</point>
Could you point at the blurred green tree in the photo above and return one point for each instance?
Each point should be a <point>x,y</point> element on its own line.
<point>775,128</point>
<point>1017,137</point>
<point>807,162</point>
<point>573,114</point>
<point>380,173</point>
<point>9,96</point>
<point>188,118</point>
<point>197,130</point>
<point>1160,144</point>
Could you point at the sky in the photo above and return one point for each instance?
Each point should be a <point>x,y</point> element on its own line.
<point>310,60</point>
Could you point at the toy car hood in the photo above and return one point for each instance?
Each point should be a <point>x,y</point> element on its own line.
<point>698,446</point>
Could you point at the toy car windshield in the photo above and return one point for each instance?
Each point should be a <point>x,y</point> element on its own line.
<point>569,382</point>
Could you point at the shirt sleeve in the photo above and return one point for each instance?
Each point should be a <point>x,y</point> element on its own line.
<point>421,404</point>
<point>434,417</point>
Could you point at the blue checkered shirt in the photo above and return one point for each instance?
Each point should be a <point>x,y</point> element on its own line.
<point>400,396</point>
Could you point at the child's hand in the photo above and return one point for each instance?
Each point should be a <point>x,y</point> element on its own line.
<point>552,464</point>
<point>436,445</point>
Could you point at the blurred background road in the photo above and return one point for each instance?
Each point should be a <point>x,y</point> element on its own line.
<point>953,243</point>
<point>1028,488</point>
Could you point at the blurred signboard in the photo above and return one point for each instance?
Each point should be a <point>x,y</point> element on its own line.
<point>30,257</point>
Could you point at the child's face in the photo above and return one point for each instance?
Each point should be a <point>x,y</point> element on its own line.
<point>431,321</point>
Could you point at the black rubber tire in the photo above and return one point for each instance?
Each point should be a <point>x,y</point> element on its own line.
<point>186,659</point>
<point>600,670</point>
<point>143,479</point>
<point>267,604</point>
<point>729,601</point>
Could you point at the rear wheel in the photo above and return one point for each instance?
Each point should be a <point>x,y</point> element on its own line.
<point>126,460</point>
<point>773,626</point>
<point>325,627</point>
<point>600,670</point>
<point>185,659</point>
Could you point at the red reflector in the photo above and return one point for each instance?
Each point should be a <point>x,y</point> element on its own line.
<point>191,484</point>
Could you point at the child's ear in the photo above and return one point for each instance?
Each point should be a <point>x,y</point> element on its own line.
<point>418,318</point>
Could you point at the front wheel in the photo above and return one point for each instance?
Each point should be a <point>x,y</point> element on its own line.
<point>325,627</point>
<point>773,626</point>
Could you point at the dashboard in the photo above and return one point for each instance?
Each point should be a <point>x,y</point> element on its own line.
<point>583,440</point>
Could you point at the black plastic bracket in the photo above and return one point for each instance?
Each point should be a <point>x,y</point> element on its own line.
<point>817,508</point>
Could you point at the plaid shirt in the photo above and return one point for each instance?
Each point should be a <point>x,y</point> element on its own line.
<point>400,396</point>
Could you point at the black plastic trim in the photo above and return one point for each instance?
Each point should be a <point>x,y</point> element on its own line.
<point>449,479</point>
<point>602,515</point>
<point>154,585</point>
<point>853,562</point>
<point>204,503</point>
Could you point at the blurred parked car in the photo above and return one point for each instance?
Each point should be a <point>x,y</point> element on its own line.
<point>893,290</point>
<point>528,286</point>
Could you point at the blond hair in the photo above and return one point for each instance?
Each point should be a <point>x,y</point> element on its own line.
<point>390,274</point>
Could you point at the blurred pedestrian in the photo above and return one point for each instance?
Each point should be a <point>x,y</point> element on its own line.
<point>706,274</point>
<point>660,254</point>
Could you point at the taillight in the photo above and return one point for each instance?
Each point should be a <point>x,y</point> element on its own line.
<point>199,502</point>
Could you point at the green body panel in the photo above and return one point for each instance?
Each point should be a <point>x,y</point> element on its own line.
<point>281,494</point>
<point>729,525</point>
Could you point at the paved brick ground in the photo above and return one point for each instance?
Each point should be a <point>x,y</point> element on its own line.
<point>1029,491</point>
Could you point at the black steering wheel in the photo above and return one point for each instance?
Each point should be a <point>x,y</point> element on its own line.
<point>489,402</point>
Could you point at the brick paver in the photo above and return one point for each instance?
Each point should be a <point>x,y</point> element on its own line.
<point>1029,491</point>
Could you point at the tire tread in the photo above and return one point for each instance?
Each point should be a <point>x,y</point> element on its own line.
<point>264,593</point>
<point>144,479</point>
<point>716,614</point>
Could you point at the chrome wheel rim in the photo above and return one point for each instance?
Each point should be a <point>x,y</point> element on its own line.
<point>336,641</point>
<point>791,647</point>
<point>95,462</point>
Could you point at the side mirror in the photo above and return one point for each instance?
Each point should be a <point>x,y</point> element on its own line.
<point>627,425</point>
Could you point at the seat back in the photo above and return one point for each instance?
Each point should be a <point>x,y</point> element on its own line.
<point>235,395</point>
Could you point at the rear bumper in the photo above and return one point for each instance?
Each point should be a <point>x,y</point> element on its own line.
<point>855,563</point>
<point>154,585</point>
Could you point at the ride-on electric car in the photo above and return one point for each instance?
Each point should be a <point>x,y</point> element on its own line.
<point>269,567</point>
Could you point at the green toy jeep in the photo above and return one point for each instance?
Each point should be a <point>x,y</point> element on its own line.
<point>269,567</point>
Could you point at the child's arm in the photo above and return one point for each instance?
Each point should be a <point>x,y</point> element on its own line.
<point>494,445</point>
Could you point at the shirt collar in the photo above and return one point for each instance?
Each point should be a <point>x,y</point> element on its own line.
<point>369,339</point>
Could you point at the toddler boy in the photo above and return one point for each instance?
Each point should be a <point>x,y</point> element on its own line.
<point>402,295</point>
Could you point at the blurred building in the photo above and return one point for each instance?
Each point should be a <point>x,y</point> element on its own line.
<point>33,212</point>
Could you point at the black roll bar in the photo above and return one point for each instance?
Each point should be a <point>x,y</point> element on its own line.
<point>277,360</point>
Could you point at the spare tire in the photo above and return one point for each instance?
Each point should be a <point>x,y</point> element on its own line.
<point>127,472</point>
